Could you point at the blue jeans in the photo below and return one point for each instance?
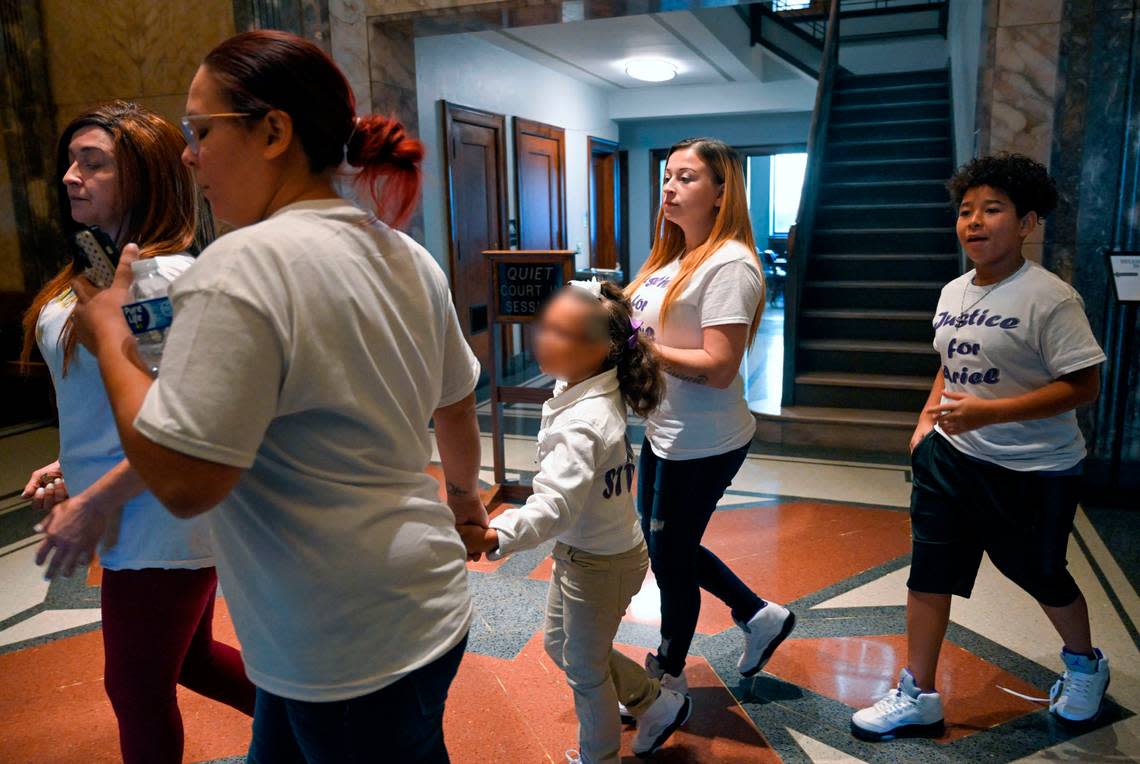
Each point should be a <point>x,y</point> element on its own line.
<point>676,500</point>
<point>402,722</point>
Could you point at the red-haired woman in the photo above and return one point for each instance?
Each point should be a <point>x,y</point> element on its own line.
<point>309,350</point>
<point>120,168</point>
<point>700,296</point>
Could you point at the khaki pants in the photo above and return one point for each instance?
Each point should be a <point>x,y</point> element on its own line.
<point>589,594</point>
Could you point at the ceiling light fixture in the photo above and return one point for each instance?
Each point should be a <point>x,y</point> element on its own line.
<point>651,69</point>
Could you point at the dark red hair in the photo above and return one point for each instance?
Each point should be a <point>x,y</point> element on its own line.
<point>266,70</point>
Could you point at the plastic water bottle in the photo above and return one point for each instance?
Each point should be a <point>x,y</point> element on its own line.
<point>151,314</point>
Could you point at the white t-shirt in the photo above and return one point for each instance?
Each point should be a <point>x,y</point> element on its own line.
<point>311,349</point>
<point>583,492</point>
<point>148,536</point>
<point>1025,333</point>
<point>693,420</point>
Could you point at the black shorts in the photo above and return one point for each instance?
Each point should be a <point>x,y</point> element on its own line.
<point>961,506</point>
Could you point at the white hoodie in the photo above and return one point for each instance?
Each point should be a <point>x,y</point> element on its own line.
<point>582,492</point>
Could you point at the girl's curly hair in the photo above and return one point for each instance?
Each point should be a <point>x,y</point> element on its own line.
<point>638,371</point>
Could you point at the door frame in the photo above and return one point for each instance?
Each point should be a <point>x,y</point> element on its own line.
<point>453,113</point>
<point>601,147</point>
<point>523,127</point>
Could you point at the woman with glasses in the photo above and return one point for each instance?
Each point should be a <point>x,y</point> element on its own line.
<point>121,171</point>
<point>310,349</point>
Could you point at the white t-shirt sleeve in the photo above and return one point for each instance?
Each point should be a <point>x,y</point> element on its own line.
<point>731,295</point>
<point>561,489</point>
<point>1067,343</point>
<point>460,366</point>
<point>217,391</point>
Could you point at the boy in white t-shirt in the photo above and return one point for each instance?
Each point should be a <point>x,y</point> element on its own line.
<point>997,453</point>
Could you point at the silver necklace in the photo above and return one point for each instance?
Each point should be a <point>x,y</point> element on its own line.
<point>962,307</point>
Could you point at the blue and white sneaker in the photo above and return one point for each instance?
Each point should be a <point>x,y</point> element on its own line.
<point>1077,697</point>
<point>905,711</point>
<point>763,633</point>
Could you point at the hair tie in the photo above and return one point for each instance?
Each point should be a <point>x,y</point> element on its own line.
<point>593,287</point>
<point>635,325</point>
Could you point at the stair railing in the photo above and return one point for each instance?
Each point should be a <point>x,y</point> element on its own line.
<point>799,251</point>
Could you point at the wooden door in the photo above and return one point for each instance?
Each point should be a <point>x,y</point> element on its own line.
<point>540,184</point>
<point>604,209</point>
<point>477,213</point>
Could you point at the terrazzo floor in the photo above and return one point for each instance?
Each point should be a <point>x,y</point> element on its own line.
<point>827,536</point>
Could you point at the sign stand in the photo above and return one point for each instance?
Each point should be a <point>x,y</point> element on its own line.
<point>1124,271</point>
<point>521,282</point>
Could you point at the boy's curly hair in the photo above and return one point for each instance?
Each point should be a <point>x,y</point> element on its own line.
<point>638,370</point>
<point>1025,181</point>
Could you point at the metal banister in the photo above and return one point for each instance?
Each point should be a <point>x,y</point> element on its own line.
<point>809,199</point>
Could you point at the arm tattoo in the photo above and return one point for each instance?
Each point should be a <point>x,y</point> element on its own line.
<point>696,379</point>
<point>454,490</point>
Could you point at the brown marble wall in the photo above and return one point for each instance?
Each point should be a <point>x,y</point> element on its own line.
<point>135,49</point>
<point>1018,95</point>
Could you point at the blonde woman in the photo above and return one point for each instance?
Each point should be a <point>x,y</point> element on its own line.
<point>699,297</point>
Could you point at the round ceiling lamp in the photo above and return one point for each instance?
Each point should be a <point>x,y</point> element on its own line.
<point>651,69</point>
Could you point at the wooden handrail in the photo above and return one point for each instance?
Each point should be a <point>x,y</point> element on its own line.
<point>809,199</point>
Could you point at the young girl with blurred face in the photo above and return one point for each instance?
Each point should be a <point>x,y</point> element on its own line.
<point>588,340</point>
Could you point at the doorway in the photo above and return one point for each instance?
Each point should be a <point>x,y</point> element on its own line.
<point>608,198</point>
<point>540,184</point>
<point>477,212</point>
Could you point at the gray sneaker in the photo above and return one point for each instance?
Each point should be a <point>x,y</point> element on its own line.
<point>660,720</point>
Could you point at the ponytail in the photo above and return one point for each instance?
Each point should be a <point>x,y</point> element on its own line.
<point>389,163</point>
<point>266,70</point>
<point>638,370</point>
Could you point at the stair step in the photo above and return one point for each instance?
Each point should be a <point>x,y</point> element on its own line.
<point>876,241</point>
<point>888,295</point>
<point>892,392</point>
<point>934,147</point>
<point>867,324</point>
<point>927,76</point>
<point>890,94</point>
<point>843,114</point>
<point>869,346</point>
<point>877,381</point>
<point>868,284</point>
<point>897,191</point>
<point>862,356</point>
<point>920,267</point>
<point>823,415</point>
<point>838,427</point>
<point>934,127</point>
<point>906,168</point>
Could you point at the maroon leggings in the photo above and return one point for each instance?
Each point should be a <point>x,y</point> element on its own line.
<point>158,633</point>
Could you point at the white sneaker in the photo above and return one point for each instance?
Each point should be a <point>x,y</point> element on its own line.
<point>573,757</point>
<point>902,712</point>
<point>762,635</point>
<point>1078,694</point>
<point>660,720</point>
<point>676,682</point>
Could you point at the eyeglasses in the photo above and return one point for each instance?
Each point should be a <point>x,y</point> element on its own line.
<point>187,123</point>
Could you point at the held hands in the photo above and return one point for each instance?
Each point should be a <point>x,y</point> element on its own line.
<point>962,413</point>
<point>478,540</point>
<point>46,487</point>
<point>97,311</point>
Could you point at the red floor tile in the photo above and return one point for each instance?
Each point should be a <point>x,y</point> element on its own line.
<point>53,708</point>
<point>857,671</point>
<point>786,551</point>
<point>523,711</point>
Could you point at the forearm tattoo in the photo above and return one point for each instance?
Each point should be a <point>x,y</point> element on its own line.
<point>454,490</point>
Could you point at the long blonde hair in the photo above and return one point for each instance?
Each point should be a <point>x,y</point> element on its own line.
<point>732,224</point>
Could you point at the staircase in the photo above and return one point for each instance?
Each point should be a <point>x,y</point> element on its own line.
<point>882,246</point>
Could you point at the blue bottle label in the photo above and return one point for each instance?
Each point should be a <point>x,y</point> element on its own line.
<point>149,315</point>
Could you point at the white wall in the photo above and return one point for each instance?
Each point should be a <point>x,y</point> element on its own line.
<point>964,38</point>
<point>639,137</point>
<point>468,71</point>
